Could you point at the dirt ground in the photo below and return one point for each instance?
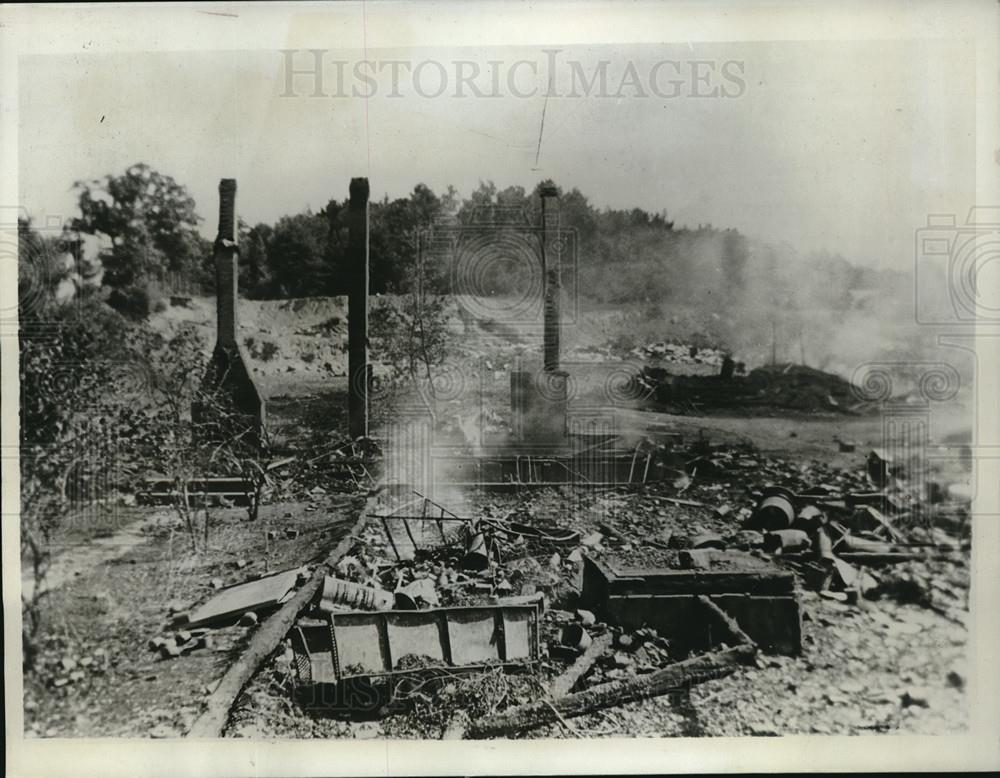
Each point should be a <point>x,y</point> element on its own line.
<point>97,676</point>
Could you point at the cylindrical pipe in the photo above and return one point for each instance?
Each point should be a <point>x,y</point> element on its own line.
<point>575,636</point>
<point>352,595</point>
<point>477,555</point>
<point>775,511</point>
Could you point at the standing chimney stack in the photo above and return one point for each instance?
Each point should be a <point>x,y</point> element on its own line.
<point>358,373</point>
<point>226,269</point>
<point>228,377</point>
<point>551,261</point>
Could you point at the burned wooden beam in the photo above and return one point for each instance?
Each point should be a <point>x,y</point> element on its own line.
<point>724,623</point>
<point>565,682</point>
<point>213,719</point>
<point>671,678</point>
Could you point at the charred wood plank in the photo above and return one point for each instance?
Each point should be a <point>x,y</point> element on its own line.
<point>667,679</point>
<point>562,685</point>
<point>265,640</point>
<point>724,623</point>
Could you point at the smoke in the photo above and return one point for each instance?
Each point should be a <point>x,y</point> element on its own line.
<point>760,302</point>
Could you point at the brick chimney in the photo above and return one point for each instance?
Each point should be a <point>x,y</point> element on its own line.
<point>551,261</point>
<point>228,377</point>
<point>358,372</point>
<point>226,270</point>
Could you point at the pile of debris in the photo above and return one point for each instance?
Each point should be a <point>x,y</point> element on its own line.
<point>503,621</point>
<point>790,386</point>
<point>680,354</point>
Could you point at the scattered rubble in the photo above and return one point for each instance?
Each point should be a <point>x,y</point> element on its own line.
<point>612,606</point>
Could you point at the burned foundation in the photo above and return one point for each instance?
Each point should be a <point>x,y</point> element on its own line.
<point>232,406</point>
<point>762,601</point>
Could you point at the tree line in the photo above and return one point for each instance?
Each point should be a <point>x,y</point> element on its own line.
<point>151,246</point>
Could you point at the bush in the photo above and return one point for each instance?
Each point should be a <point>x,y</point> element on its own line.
<point>133,302</point>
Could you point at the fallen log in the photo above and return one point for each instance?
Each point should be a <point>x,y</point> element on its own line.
<point>265,640</point>
<point>562,685</point>
<point>667,679</point>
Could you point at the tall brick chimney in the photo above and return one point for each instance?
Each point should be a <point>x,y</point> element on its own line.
<point>358,372</point>
<point>539,400</point>
<point>551,260</point>
<point>228,380</point>
<point>226,269</point>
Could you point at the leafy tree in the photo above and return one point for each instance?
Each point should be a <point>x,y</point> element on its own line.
<point>296,254</point>
<point>152,224</point>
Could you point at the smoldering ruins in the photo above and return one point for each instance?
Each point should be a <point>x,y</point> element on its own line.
<point>532,536</point>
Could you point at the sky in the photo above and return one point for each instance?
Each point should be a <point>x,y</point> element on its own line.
<point>841,146</point>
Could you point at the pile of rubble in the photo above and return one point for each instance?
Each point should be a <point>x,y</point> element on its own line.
<point>515,618</point>
<point>790,386</point>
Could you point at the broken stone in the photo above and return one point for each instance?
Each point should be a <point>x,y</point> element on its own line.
<point>915,696</point>
<point>587,618</point>
<point>182,637</point>
<point>161,731</point>
<point>175,606</point>
<point>697,559</point>
<point>170,650</point>
<point>747,539</point>
<point>248,619</point>
<point>180,618</point>
<point>592,540</point>
<point>216,583</point>
<point>241,563</point>
<point>157,642</point>
<point>364,730</point>
<point>708,540</point>
<point>786,541</point>
<point>576,556</point>
<point>67,663</point>
<point>621,659</point>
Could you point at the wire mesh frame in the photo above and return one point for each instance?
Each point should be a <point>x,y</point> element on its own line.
<point>304,657</point>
